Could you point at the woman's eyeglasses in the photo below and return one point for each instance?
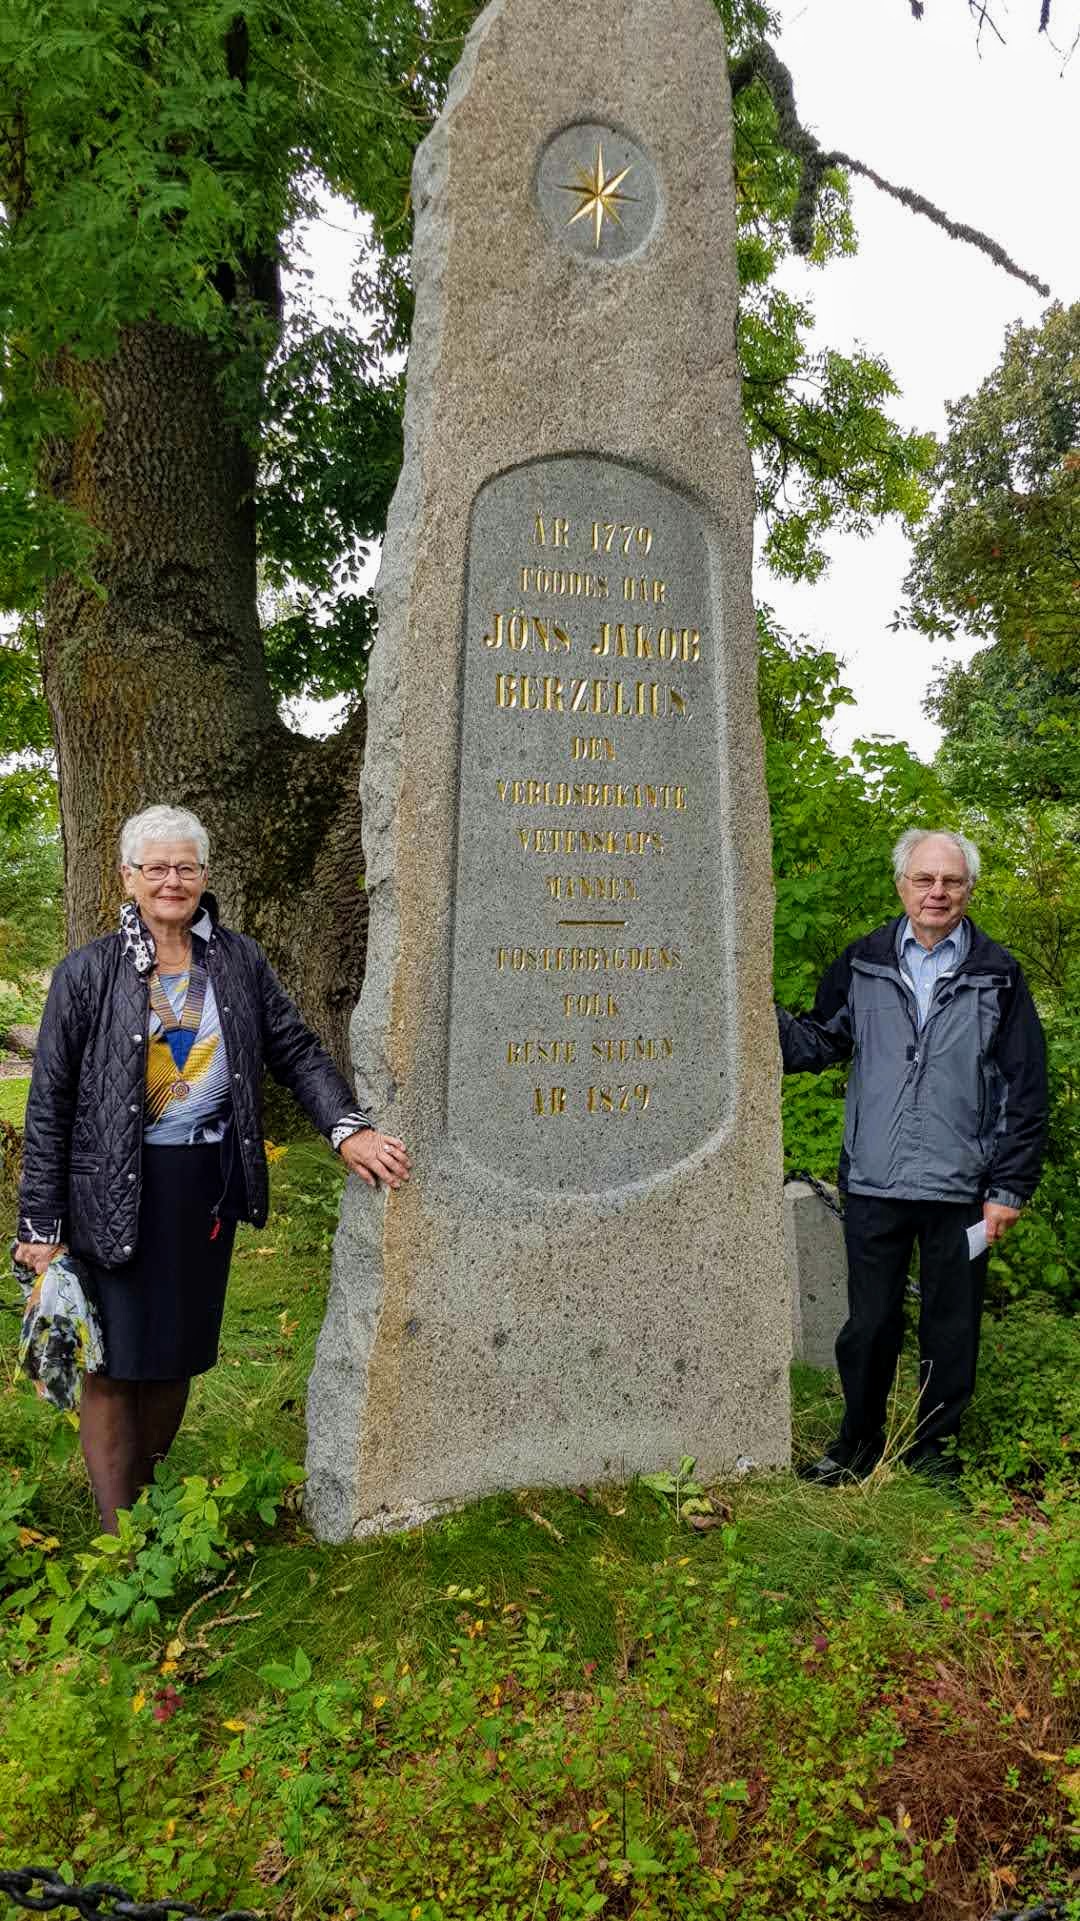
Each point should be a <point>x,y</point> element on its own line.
<point>161,869</point>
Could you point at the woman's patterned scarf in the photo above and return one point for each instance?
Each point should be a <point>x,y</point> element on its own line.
<point>137,942</point>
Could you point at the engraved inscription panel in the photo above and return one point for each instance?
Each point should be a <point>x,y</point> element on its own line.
<point>589,981</point>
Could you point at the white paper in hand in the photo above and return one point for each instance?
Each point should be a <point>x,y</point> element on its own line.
<point>976,1240</point>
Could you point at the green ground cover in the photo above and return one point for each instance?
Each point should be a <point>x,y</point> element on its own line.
<point>13,1094</point>
<point>551,1704</point>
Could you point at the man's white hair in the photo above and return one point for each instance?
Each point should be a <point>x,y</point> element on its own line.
<point>914,837</point>
<point>162,823</point>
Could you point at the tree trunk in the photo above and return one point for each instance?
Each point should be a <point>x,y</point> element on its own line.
<point>158,688</point>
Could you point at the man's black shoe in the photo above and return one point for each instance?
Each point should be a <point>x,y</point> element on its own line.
<point>826,1472</point>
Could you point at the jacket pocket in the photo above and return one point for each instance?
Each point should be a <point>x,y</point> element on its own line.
<point>84,1164</point>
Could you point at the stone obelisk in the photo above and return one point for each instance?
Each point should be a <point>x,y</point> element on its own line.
<point>567,1013</point>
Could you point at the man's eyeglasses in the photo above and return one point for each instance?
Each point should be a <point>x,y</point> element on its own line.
<point>954,883</point>
<point>161,869</point>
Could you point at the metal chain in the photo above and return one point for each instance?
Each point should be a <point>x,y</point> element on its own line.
<point>102,1900</point>
<point>1049,1910</point>
<point>96,1900</point>
<point>822,1192</point>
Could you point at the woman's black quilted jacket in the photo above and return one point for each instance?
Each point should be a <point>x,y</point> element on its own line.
<point>82,1154</point>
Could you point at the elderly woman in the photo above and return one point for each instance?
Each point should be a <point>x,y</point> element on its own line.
<point>143,1143</point>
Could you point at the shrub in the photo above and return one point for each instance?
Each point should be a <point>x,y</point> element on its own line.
<point>1024,1424</point>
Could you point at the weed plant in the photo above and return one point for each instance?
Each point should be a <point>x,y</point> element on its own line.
<point>762,1700</point>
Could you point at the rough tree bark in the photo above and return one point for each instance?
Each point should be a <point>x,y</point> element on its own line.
<point>158,688</point>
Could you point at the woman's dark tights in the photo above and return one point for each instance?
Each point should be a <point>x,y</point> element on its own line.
<point>126,1427</point>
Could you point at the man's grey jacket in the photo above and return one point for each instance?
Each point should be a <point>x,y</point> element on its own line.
<point>952,1111</point>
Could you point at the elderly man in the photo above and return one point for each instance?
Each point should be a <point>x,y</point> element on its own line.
<point>944,1129</point>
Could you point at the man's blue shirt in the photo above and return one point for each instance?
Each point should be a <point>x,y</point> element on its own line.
<point>924,966</point>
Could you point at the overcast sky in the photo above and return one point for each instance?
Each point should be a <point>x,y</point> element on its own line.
<point>993,140</point>
<point>990,135</point>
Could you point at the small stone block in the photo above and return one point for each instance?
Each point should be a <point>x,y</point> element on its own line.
<point>817,1274</point>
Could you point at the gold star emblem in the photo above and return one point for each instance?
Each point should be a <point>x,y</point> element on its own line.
<point>597,194</point>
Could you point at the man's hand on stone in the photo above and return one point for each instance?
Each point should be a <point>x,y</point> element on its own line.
<point>998,1219</point>
<point>376,1157</point>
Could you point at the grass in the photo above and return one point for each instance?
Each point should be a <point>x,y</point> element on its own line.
<point>861,1657</point>
<point>13,1094</point>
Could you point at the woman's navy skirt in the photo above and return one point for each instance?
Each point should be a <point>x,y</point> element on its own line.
<point>161,1311</point>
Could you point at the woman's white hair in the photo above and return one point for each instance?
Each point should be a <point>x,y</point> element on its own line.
<point>162,823</point>
<point>908,842</point>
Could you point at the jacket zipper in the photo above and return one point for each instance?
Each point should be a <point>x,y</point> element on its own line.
<point>234,1135</point>
<point>142,1109</point>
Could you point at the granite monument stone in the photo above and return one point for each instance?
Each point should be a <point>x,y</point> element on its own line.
<point>567,1012</point>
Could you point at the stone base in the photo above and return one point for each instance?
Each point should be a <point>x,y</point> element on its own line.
<point>817,1274</point>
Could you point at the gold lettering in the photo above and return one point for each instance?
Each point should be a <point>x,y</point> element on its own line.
<point>551,1100</point>
<point>637,587</point>
<point>641,1048</point>
<point>610,887</point>
<point>618,1100</point>
<point>564,793</point>
<point>505,694</point>
<point>560,533</point>
<point>590,1006</point>
<point>570,585</point>
<point>553,1053</point>
<point>611,533</point>
<point>592,747</point>
<point>538,532</point>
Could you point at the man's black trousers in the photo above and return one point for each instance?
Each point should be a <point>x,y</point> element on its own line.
<point>880,1236</point>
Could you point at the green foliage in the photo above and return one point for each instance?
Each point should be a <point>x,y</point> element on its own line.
<point>153,161</point>
<point>1010,729</point>
<point>156,166</point>
<point>31,907</point>
<point>999,555</point>
<point>812,1111</point>
<point>726,1761</point>
<point>179,1532</point>
<point>826,452</point>
<point>835,816</point>
<point>811,1708</point>
<point>1041,1254</point>
<point>1024,1425</point>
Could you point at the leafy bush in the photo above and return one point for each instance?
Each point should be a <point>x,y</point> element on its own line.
<point>1024,1423</point>
<point>180,1535</point>
<point>31,908</point>
<point>1042,1252</point>
<point>813,1116</point>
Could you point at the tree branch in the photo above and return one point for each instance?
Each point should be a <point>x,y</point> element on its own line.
<point>958,229</point>
<point>763,64</point>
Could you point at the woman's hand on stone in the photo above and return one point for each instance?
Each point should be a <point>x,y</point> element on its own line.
<point>376,1157</point>
<point>36,1254</point>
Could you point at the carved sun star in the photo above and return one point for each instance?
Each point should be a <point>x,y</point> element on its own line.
<point>597,194</point>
